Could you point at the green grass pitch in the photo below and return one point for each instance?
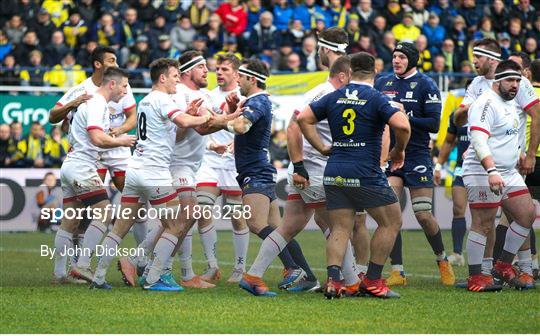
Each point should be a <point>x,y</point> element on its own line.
<point>29,304</point>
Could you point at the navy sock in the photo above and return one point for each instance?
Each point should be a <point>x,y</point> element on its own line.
<point>284,256</point>
<point>298,256</point>
<point>334,272</point>
<point>475,269</point>
<point>533,241</point>
<point>374,271</point>
<point>459,228</point>
<point>500,237</point>
<point>436,243</point>
<point>396,255</point>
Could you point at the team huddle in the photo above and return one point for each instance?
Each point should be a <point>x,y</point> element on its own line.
<point>354,144</point>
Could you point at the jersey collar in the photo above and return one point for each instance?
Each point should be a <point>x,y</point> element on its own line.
<point>360,83</point>
<point>409,76</point>
<point>258,93</point>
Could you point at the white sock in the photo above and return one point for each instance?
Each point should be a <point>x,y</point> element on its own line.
<point>515,236</point>
<point>74,258</point>
<point>241,244</point>
<point>185,257</point>
<point>535,262</point>
<point>525,261</point>
<point>361,268</point>
<point>441,257</point>
<point>350,276</point>
<point>397,267</point>
<point>139,230</point>
<point>109,244</point>
<point>209,240</point>
<point>162,252</point>
<point>167,266</point>
<point>487,265</point>
<point>146,245</point>
<point>476,244</point>
<point>92,237</point>
<point>62,241</point>
<point>270,248</point>
<point>326,233</point>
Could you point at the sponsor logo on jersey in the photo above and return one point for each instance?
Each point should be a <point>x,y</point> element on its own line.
<point>352,95</point>
<point>423,178</point>
<point>389,83</point>
<point>433,98</point>
<point>339,181</point>
<point>409,94</point>
<point>413,85</point>
<point>482,195</point>
<point>484,111</point>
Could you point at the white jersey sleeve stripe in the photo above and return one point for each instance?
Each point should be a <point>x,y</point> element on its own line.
<point>170,114</point>
<point>89,128</point>
<point>531,104</point>
<point>130,107</point>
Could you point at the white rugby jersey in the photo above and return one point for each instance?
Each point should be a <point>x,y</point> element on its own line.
<point>156,132</point>
<point>499,119</point>
<point>92,114</point>
<point>525,98</point>
<point>189,150</point>
<point>322,126</point>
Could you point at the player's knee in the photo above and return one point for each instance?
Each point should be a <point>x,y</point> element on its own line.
<point>205,198</point>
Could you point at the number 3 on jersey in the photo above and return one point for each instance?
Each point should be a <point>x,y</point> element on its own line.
<point>141,126</point>
<point>350,115</point>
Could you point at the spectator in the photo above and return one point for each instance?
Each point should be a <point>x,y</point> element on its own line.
<point>424,59</point>
<point>215,34</point>
<point>230,45</point>
<point>378,30</point>
<point>164,49</point>
<point>297,33</point>
<point>439,64</point>
<point>353,30</point>
<point>131,27</point>
<point>89,12</point>
<point>199,14</point>
<point>471,13</point>
<point>451,59</point>
<point>499,14</point>
<point>7,146</point>
<point>535,32</point>
<point>27,9</point>
<point>320,25</point>
<point>182,34</point>
<point>366,14</point>
<point>393,13</point>
<point>106,32</point>
<point>406,31</point>
<point>136,77</point>
<point>293,63</point>
<point>279,61</point>
<point>263,36</point>
<point>6,46</point>
<point>525,12</point>
<point>83,56</point>
<point>59,10</point>
<point>446,11</point>
<point>283,14</point>
<point>74,29</point>
<point>145,11</point>
<point>211,64</point>
<point>531,48</point>
<point>336,14</point>
<point>171,11</point>
<point>29,43</point>
<point>254,11</point>
<point>67,74</point>
<point>16,131</point>
<point>385,50</point>
<point>56,50</point>
<point>365,45</point>
<point>10,75</point>
<point>158,28</point>
<point>307,13</point>
<point>37,75</point>
<point>308,54</point>
<point>56,148</point>
<point>379,65</point>
<point>485,31</point>
<point>435,33</point>
<point>233,16</point>
<point>278,149</point>
<point>199,44</point>
<point>419,13</point>
<point>32,148</point>
<point>515,30</point>
<point>114,7</point>
<point>14,29</point>
<point>461,81</point>
<point>43,26</point>
<point>505,44</point>
<point>142,51</point>
<point>458,34</point>
<point>49,196</point>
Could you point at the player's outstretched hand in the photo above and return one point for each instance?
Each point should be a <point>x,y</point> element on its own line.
<point>232,100</point>
<point>128,140</point>
<point>526,164</point>
<point>114,132</point>
<point>437,177</point>
<point>496,183</point>
<point>218,148</point>
<point>193,107</point>
<point>81,99</point>
<point>397,159</point>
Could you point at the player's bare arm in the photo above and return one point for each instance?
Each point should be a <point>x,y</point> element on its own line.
<point>460,115</point>
<point>294,146</point>
<point>129,123</point>
<point>402,132</point>
<point>59,113</point>
<point>307,118</point>
<point>527,165</point>
<point>103,140</point>
<point>449,143</point>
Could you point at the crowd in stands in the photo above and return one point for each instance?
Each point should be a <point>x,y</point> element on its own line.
<point>49,42</point>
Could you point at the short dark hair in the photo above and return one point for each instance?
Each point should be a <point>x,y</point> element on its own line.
<point>231,58</point>
<point>362,65</point>
<point>507,65</point>
<point>342,64</point>
<point>535,71</point>
<point>259,67</point>
<point>489,44</point>
<point>161,66</point>
<point>98,54</point>
<point>336,35</point>
<point>525,60</point>
<point>114,73</point>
